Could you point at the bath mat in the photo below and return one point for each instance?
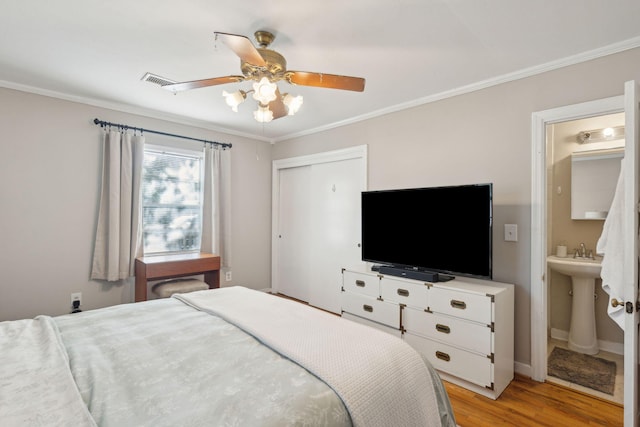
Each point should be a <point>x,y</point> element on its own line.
<point>588,371</point>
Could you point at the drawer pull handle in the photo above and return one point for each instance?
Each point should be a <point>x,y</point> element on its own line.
<point>367,308</point>
<point>443,356</point>
<point>443,328</point>
<point>360,283</point>
<point>403,292</point>
<point>458,304</point>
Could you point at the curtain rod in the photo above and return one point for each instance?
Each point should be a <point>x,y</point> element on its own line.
<point>127,127</point>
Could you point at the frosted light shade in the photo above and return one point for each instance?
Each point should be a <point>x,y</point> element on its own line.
<point>263,114</point>
<point>234,99</point>
<point>293,103</point>
<point>264,91</point>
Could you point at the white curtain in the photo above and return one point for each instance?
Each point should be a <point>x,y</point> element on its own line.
<point>119,231</point>
<point>217,204</point>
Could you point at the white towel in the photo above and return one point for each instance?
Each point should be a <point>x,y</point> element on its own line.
<point>611,245</point>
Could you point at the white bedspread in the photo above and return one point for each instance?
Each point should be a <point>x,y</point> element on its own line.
<point>167,363</point>
<point>162,363</point>
<point>36,386</point>
<point>381,380</point>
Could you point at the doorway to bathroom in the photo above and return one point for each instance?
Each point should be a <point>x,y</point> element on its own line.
<point>541,242</point>
<point>584,345</point>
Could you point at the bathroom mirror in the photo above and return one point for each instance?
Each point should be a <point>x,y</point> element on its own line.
<point>594,175</point>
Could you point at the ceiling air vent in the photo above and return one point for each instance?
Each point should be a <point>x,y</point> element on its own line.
<point>160,81</point>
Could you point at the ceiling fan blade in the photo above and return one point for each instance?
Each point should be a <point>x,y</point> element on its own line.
<point>332,81</point>
<point>277,107</point>
<point>242,47</point>
<point>195,84</point>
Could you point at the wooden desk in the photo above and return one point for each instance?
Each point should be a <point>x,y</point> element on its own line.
<point>162,267</point>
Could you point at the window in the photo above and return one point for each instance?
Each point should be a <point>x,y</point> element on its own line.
<point>171,200</point>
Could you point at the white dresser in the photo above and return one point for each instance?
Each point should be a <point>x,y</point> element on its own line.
<point>464,327</point>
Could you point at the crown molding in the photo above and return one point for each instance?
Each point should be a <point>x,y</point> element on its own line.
<point>126,108</point>
<point>494,81</point>
<point>505,78</point>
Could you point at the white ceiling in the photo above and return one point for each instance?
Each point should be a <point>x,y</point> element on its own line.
<point>409,51</point>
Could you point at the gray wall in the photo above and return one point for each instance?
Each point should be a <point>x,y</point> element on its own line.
<point>50,163</point>
<point>483,136</point>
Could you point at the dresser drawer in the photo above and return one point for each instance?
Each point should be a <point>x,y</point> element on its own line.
<point>475,307</point>
<point>367,284</point>
<point>372,309</point>
<point>449,330</point>
<point>463,364</point>
<point>406,292</point>
<point>375,325</point>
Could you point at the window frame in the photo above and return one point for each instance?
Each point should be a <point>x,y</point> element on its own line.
<point>179,151</point>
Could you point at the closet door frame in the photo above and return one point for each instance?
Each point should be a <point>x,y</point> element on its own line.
<point>356,152</point>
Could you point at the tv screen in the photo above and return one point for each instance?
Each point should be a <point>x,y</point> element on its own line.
<point>436,229</point>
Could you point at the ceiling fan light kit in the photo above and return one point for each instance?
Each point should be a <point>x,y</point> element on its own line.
<point>234,99</point>
<point>293,103</point>
<point>265,67</point>
<point>264,91</point>
<point>263,114</point>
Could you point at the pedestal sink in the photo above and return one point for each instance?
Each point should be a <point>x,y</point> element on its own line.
<point>583,273</point>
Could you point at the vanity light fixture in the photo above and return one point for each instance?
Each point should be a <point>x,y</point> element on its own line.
<point>608,132</point>
<point>600,135</point>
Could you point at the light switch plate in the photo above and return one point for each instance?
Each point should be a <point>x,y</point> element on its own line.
<point>511,232</point>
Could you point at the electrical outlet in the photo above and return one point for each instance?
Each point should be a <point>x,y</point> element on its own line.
<point>76,296</point>
<point>227,276</point>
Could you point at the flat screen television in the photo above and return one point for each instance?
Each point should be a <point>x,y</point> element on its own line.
<point>436,229</point>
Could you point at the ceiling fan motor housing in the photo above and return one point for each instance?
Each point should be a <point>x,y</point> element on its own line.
<point>276,66</point>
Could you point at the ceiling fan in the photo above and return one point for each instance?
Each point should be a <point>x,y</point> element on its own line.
<point>266,67</point>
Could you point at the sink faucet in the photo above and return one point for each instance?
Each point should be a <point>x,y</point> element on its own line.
<point>583,253</point>
<point>583,250</point>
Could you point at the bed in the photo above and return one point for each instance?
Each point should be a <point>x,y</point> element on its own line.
<point>224,357</point>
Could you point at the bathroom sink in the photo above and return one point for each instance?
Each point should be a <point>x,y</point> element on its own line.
<point>583,273</point>
<point>576,267</point>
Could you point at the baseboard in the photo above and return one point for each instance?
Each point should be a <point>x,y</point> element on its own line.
<point>559,334</point>
<point>608,346</point>
<point>522,369</point>
<point>611,347</point>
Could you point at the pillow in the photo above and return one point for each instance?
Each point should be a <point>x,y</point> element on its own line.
<point>179,286</point>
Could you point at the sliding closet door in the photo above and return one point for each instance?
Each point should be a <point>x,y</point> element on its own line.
<point>316,223</point>
<point>335,212</point>
<point>294,233</point>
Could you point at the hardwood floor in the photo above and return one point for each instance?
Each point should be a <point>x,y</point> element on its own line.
<point>530,403</point>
